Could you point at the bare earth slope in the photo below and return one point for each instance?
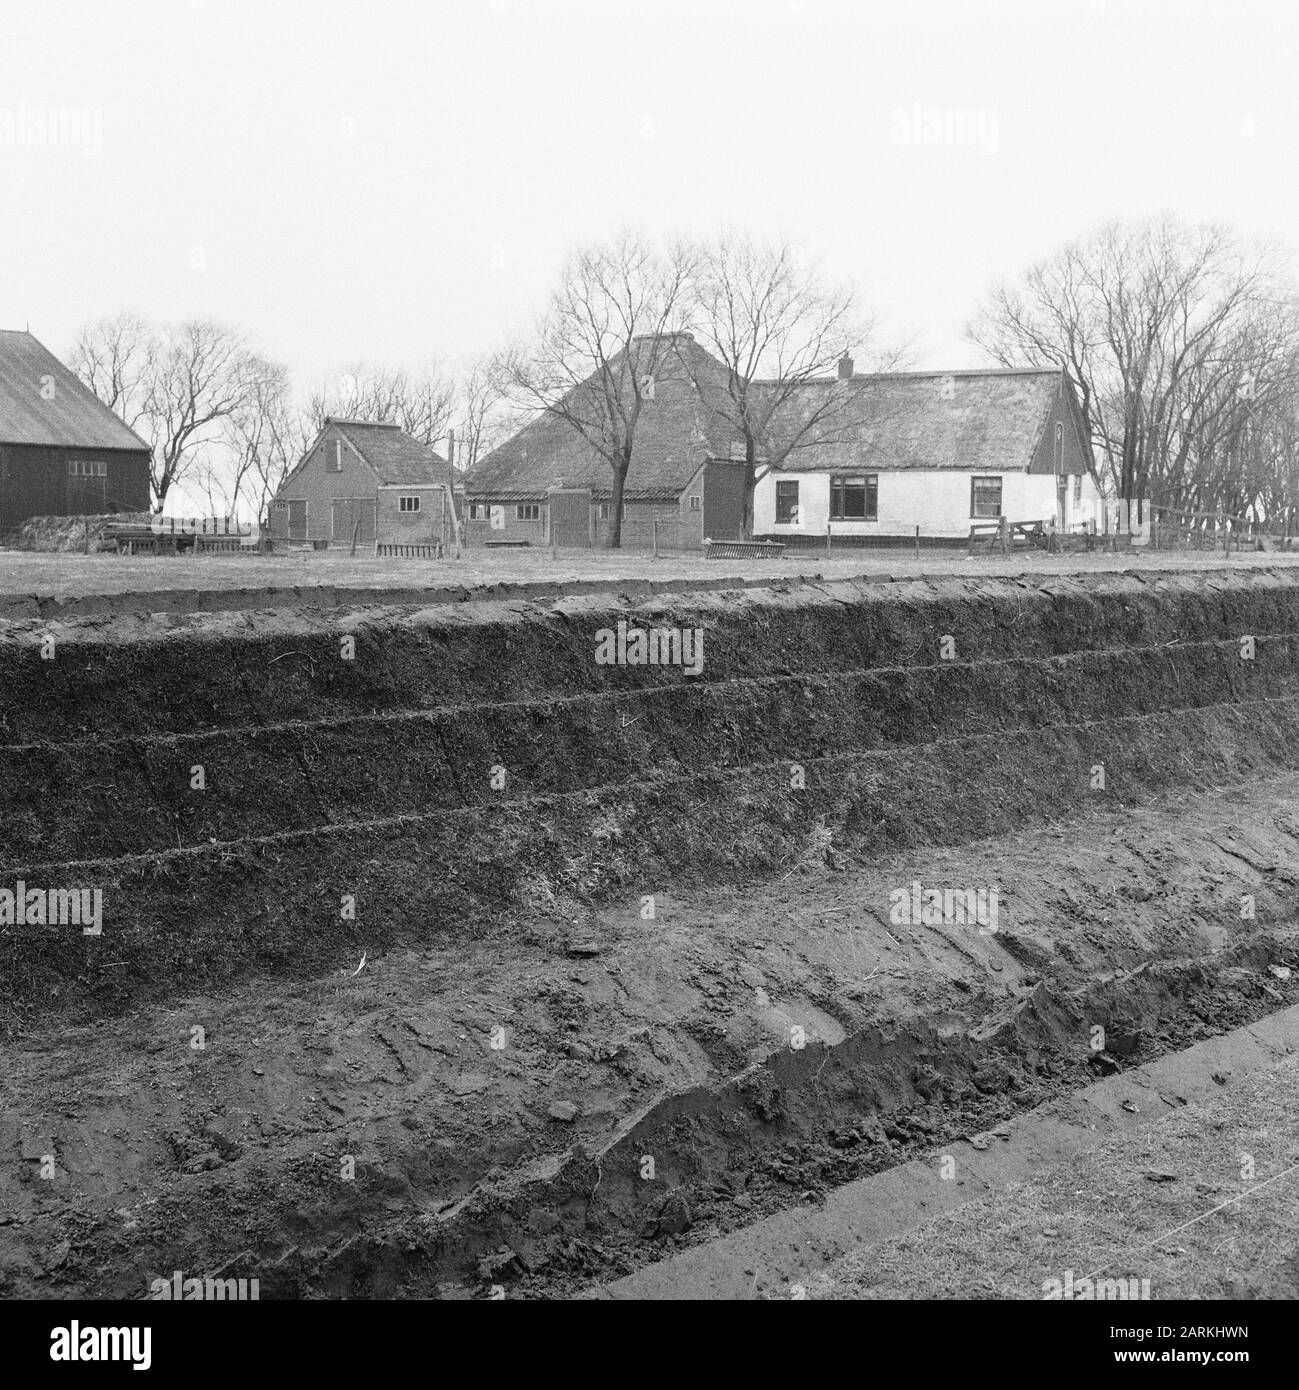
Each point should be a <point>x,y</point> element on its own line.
<point>656,945</point>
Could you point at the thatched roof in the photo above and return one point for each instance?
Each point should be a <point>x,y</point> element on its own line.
<point>981,421</point>
<point>676,432</point>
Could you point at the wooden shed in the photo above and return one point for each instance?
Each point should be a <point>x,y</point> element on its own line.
<point>63,452</point>
<point>368,484</point>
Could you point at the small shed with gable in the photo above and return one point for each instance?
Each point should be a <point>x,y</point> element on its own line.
<point>366,483</point>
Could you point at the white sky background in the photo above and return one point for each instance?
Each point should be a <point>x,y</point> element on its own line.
<point>349,171</point>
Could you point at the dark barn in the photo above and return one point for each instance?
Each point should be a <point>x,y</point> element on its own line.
<point>62,450</point>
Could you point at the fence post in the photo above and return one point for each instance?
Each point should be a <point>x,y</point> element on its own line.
<point>917,540</point>
<point>827,540</point>
<point>656,538</point>
<point>356,531</point>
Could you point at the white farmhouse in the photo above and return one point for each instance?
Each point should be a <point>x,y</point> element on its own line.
<point>936,451</point>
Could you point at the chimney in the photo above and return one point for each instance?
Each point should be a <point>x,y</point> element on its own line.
<point>845,368</point>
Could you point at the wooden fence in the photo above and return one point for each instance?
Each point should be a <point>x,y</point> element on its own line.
<point>430,551</point>
<point>1174,529</point>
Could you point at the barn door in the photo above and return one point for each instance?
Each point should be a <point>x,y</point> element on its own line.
<point>354,514</point>
<point>569,512</point>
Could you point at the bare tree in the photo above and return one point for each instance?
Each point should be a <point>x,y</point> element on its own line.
<point>115,358</point>
<point>176,385</point>
<point>422,402</point>
<point>598,346</point>
<point>263,440</point>
<point>203,373</point>
<point>778,328</point>
<point>1157,324</point>
<point>482,412</point>
<point>1046,320</point>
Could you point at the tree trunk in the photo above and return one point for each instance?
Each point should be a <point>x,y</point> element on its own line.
<point>750,487</point>
<point>620,470</point>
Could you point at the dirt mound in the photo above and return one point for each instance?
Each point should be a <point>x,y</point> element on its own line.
<point>438,768</point>
<point>523,1165</point>
<point>467,924</point>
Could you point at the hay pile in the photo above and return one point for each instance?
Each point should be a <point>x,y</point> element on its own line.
<point>66,533</point>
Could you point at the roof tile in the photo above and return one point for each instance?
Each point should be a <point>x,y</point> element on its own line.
<point>393,454</point>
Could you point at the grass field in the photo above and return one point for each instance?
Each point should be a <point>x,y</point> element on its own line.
<point>62,574</point>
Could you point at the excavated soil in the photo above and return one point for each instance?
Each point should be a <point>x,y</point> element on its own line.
<point>663,934</point>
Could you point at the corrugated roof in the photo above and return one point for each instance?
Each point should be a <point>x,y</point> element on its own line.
<point>72,415</point>
<point>676,432</point>
<point>984,421</point>
<point>393,454</point>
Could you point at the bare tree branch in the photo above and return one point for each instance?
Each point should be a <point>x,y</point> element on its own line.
<point>598,346</point>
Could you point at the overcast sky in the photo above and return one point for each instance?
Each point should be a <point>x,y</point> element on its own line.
<point>397,181</point>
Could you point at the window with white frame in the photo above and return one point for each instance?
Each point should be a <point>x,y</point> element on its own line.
<point>408,503</point>
<point>528,511</point>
